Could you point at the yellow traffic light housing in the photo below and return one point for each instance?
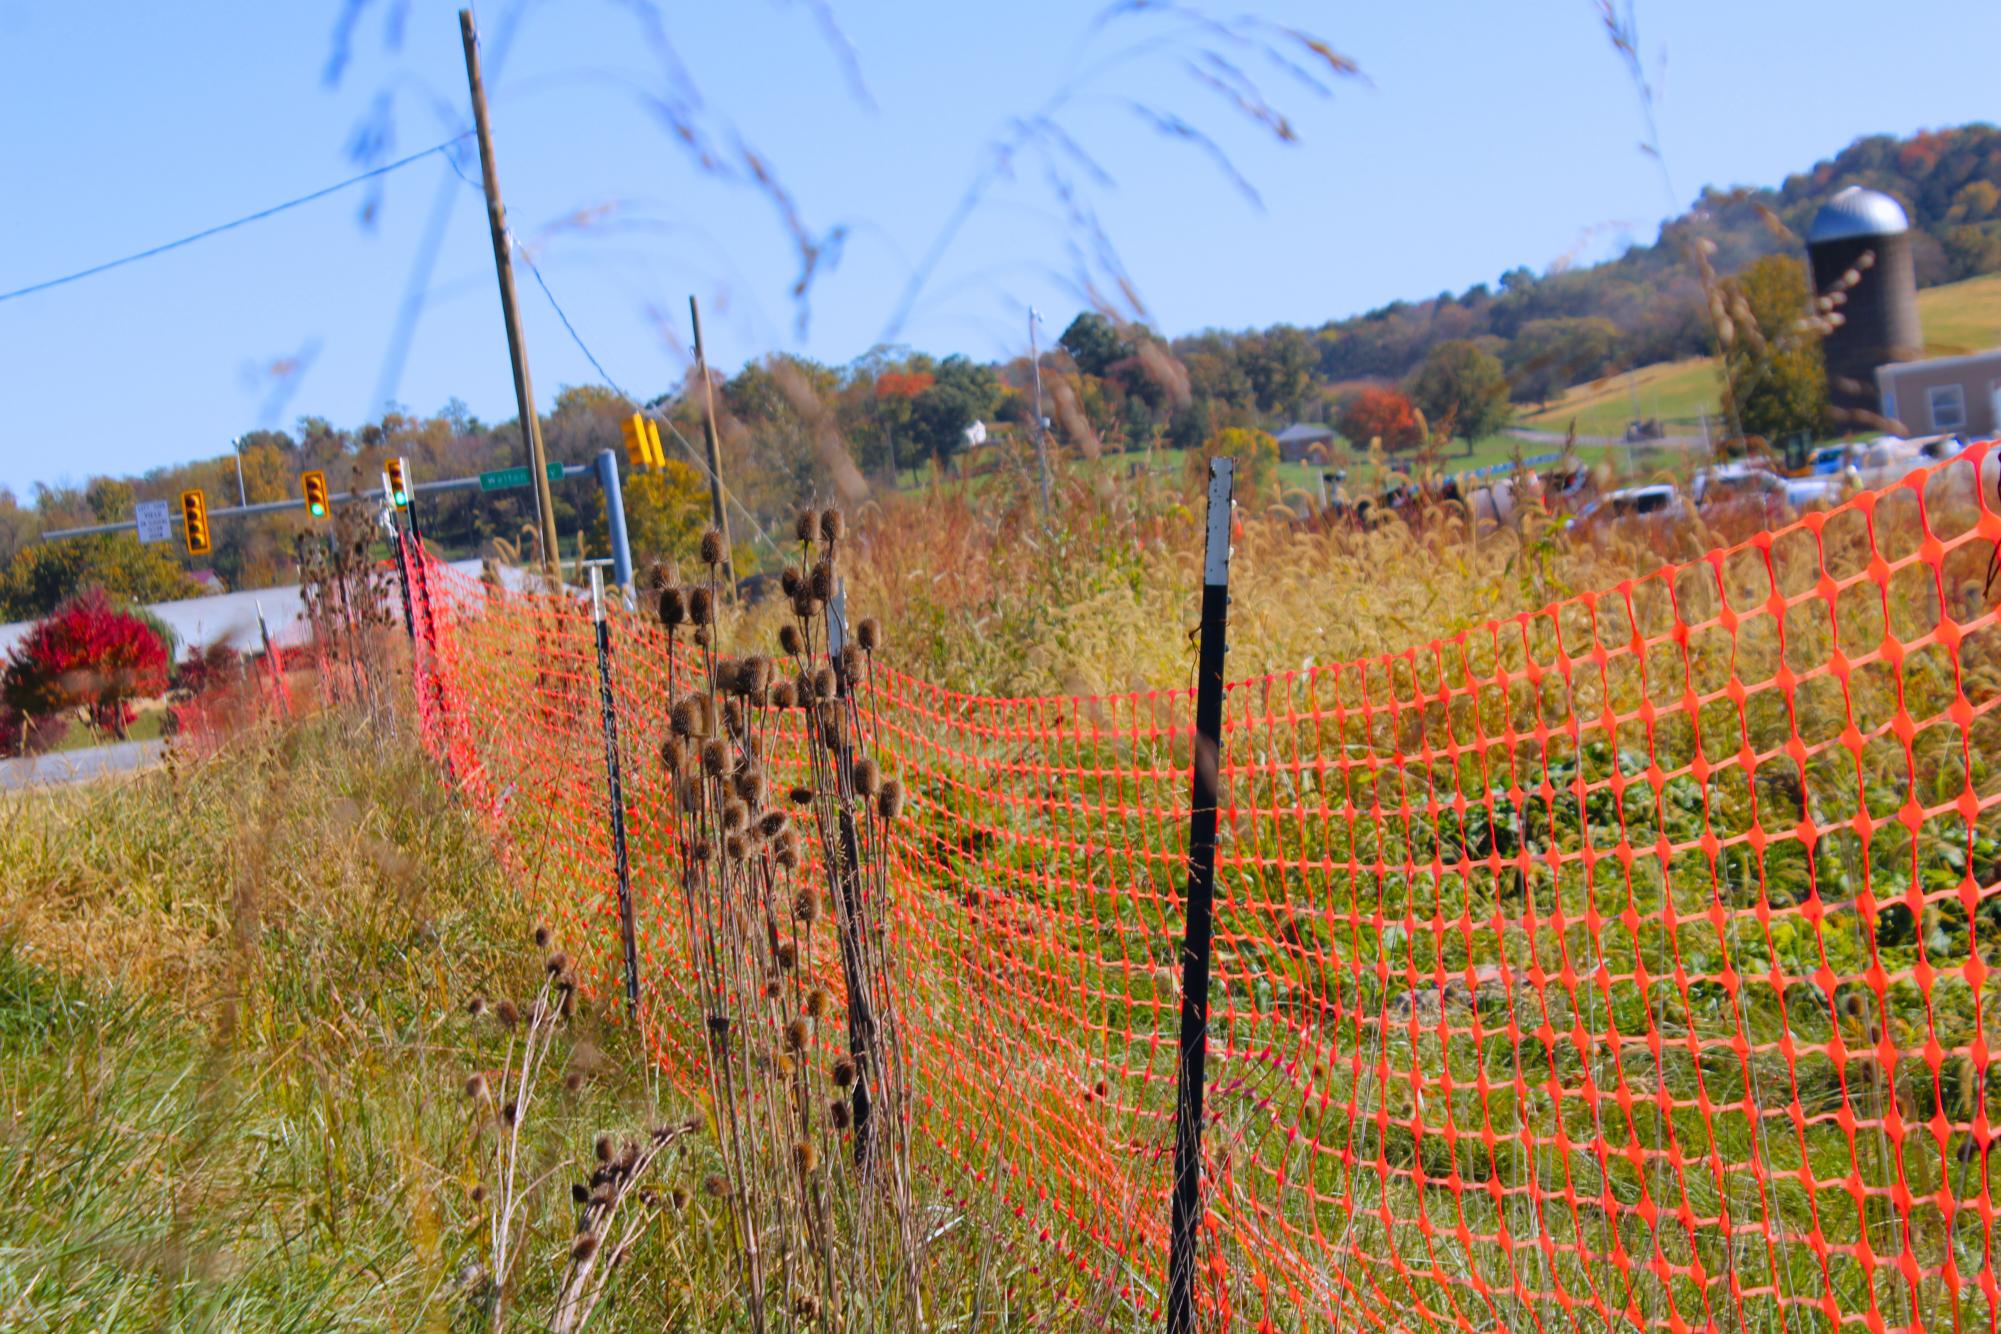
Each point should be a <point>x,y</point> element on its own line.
<point>397,471</point>
<point>194,514</point>
<point>633,428</point>
<point>313,486</point>
<point>653,443</point>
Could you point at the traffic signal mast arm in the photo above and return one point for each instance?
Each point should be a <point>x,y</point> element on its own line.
<point>570,470</point>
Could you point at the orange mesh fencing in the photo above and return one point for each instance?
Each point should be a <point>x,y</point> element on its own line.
<point>1622,964</point>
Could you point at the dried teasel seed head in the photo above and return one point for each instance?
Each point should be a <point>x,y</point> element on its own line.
<point>733,714</point>
<point>509,1112</point>
<point>867,776</point>
<point>801,795</point>
<point>822,581</point>
<point>809,689</point>
<point>679,1197</point>
<point>824,683</point>
<point>807,1155</point>
<point>804,524</point>
<point>790,641</point>
<point>541,937</point>
<point>585,1247</point>
<point>686,717</point>
<point>478,1193</point>
<point>715,1186</point>
<point>573,1081</point>
<point>844,1072</point>
<point>830,736</point>
<point>556,963</point>
<point>735,815</point>
<point>749,783</point>
<point>754,673</point>
<point>817,1002</point>
<point>796,1034</point>
<point>724,677</point>
<point>788,955</point>
<point>736,847</point>
<point>771,823</point>
<point>603,1148</point>
<point>506,1013</point>
<point>476,1006</point>
<point>715,758</point>
<point>838,1113</point>
<point>787,856</point>
<point>701,606</point>
<point>806,1305</point>
<point>701,636</point>
<point>773,989</point>
<point>579,1193</point>
<point>803,605</point>
<point>475,1086</point>
<point>806,906</point>
<point>783,695</point>
<point>889,802</point>
<point>719,1025</point>
<point>791,579</point>
<point>712,548</point>
<point>851,661</point>
<point>673,756</point>
<point>869,634</point>
<point>673,607</point>
<point>833,524</point>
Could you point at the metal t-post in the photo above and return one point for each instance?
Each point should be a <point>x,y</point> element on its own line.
<point>614,518</point>
<point>619,862</point>
<point>1187,1216</point>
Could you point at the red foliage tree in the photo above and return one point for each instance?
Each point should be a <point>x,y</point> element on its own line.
<point>903,384</point>
<point>1380,414</point>
<point>86,654</point>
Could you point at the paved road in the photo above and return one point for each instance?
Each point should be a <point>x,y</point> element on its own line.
<point>1558,437</point>
<point>77,766</point>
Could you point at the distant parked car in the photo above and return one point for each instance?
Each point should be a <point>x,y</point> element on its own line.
<point>1642,506</point>
<point>1743,489</point>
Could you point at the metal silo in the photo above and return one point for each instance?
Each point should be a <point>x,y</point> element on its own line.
<point>1860,248</point>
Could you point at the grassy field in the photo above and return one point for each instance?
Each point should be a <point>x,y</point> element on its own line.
<point>1958,318</point>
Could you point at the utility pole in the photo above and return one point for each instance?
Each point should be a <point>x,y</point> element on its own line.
<point>1041,441</point>
<point>503,261</point>
<point>721,515</point>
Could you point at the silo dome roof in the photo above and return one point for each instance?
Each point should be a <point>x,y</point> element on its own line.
<point>1856,212</point>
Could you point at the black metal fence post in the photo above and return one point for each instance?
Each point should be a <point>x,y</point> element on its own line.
<point>861,1016</point>
<point>403,581</point>
<point>610,717</point>
<point>1187,1216</point>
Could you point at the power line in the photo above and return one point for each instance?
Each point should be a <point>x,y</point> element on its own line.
<point>577,338</point>
<point>217,230</point>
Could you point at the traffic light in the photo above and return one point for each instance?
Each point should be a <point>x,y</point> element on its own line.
<point>313,486</point>
<point>194,512</point>
<point>637,453</point>
<point>397,470</point>
<point>653,443</point>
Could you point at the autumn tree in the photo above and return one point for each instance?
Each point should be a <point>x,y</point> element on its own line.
<point>1464,384</point>
<point>87,654</point>
<point>1255,453</point>
<point>1379,414</point>
<point>961,393</point>
<point>1546,357</point>
<point>1773,373</point>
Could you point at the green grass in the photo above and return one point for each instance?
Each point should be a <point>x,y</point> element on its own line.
<point>1958,318</point>
<point>150,725</point>
<point>233,1043</point>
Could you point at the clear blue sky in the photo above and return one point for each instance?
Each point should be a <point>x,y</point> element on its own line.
<point>1487,135</point>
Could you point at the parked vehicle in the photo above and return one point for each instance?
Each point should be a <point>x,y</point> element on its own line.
<point>1648,506</point>
<point>1746,488</point>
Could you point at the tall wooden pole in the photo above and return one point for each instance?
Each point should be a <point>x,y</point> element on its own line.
<point>503,262</point>
<point>721,515</point>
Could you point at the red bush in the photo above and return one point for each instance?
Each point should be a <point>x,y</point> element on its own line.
<point>1380,414</point>
<point>86,654</point>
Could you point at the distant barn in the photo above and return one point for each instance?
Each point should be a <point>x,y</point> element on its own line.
<point>1296,442</point>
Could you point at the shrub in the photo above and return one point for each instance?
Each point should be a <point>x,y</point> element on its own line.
<point>86,654</point>
<point>1380,414</point>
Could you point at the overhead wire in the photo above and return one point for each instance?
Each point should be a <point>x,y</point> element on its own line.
<point>687,446</point>
<point>207,232</point>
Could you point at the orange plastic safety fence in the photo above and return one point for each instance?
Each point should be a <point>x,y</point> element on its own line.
<point>1623,964</point>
